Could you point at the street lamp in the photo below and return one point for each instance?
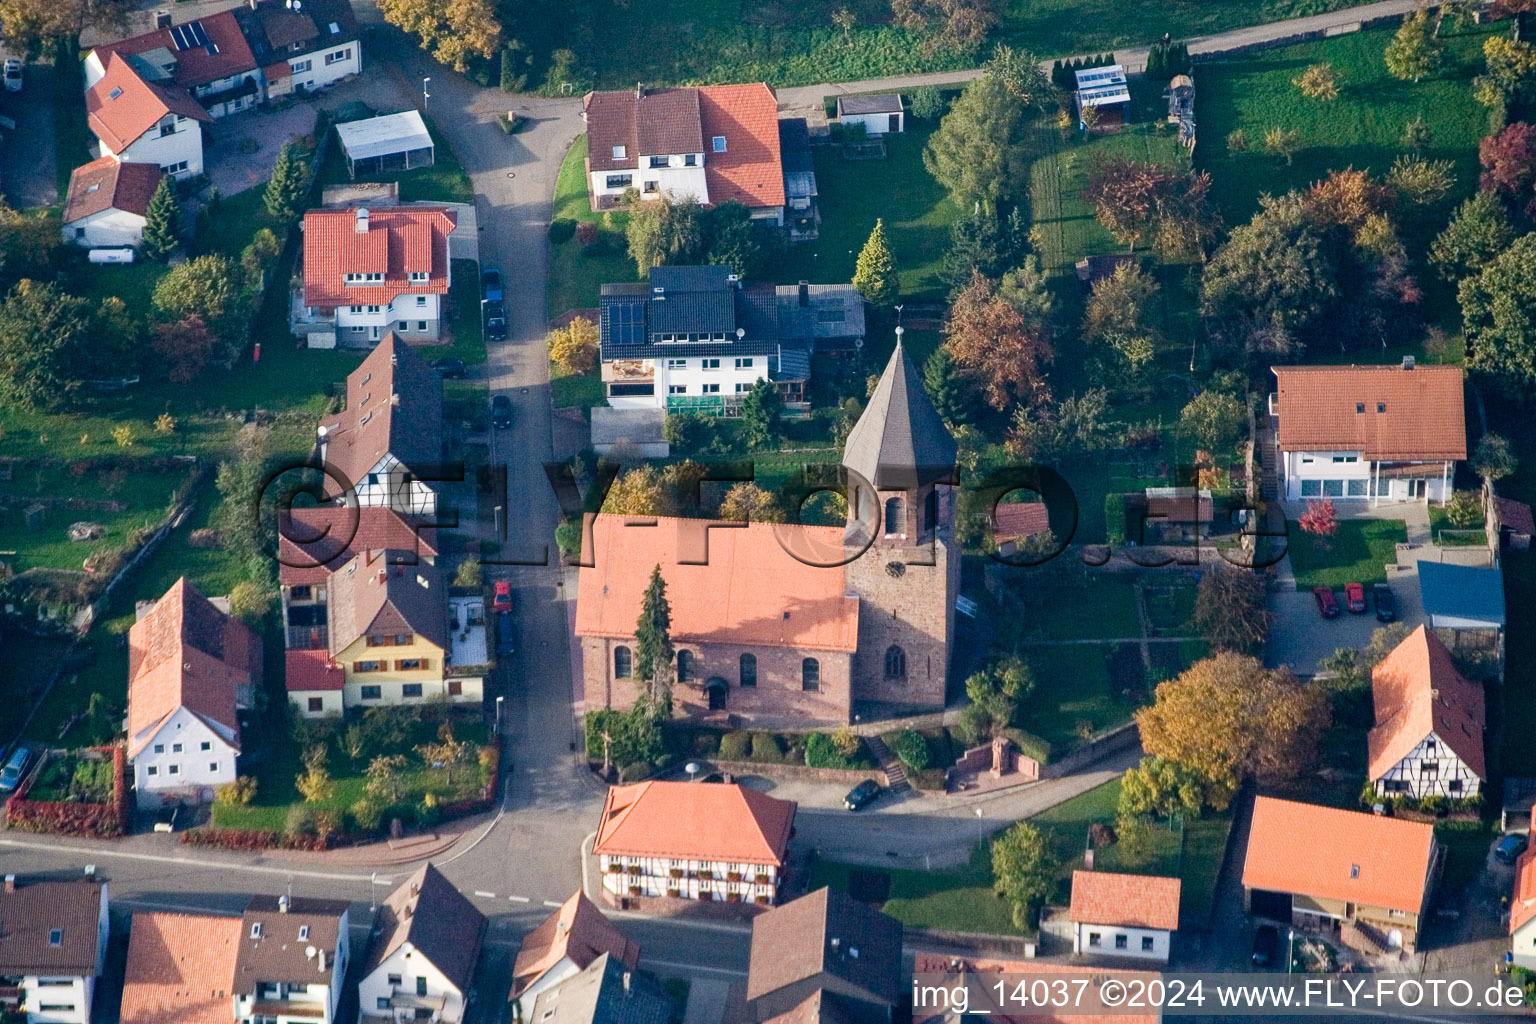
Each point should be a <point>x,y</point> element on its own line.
<point>498,714</point>
<point>424,94</point>
<point>1290,955</point>
<point>373,905</point>
<point>692,768</point>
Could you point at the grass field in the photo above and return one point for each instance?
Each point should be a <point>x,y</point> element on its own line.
<point>146,492</point>
<point>852,194</point>
<point>1112,598</point>
<point>1358,553</point>
<point>961,899</point>
<point>1072,687</point>
<point>576,273</point>
<point>1363,128</point>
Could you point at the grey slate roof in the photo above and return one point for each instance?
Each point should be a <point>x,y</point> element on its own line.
<point>692,300</point>
<point>1462,591</point>
<point>832,316</point>
<point>435,918</point>
<point>884,103</point>
<point>795,145</point>
<point>606,992</point>
<point>900,443</point>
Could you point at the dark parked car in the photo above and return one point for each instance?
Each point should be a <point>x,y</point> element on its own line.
<point>450,367</point>
<point>504,640</point>
<point>1354,597</point>
<point>862,795</point>
<point>1386,603</point>
<point>490,284</point>
<point>495,321</point>
<point>1265,944</point>
<point>501,412</point>
<point>1508,849</point>
<point>15,769</point>
<point>1327,604</point>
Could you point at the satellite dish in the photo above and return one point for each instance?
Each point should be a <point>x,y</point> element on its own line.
<point>309,952</point>
<point>858,342</point>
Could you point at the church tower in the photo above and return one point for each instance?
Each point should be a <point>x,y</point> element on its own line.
<point>899,463</point>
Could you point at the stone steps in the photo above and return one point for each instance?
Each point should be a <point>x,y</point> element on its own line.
<point>895,771</point>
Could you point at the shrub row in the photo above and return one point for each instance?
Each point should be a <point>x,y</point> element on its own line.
<point>69,818</point>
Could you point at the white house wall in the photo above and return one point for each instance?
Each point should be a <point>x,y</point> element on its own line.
<point>1355,467</point>
<point>185,144</point>
<point>317,74</point>
<point>1449,769</point>
<point>472,691</point>
<point>109,228</point>
<point>676,178</point>
<point>196,768</point>
<point>67,996</point>
<point>689,374</point>
<point>1134,938</point>
<point>566,968</point>
<point>409,964</point>
<point>874,124</point>
<point>1523,945</point>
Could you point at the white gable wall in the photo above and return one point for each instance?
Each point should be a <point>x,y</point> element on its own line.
<point>163,773</point>
<point>108,228</point>
<point>379,995</point>
<point>562,970</point>
<point>1109,936</point>
<point>1431,769</point>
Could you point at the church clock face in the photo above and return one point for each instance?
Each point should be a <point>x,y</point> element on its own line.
<point>896,569</point>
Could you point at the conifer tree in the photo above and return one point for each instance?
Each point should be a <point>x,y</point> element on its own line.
<point>653,648</point>
<point>163,220</point>
<point>285,191</point>
<point>875,275</point>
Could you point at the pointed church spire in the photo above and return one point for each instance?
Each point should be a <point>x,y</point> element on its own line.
<point>900,443</point>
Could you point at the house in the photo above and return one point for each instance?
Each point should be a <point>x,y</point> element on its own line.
<point>568,942</point>
<point>1017,521</point>
<point>368,274</point>
<point>1123,915</point>
<point>1363,876</point>
<point>301,45</point>
<point>825,956</point>
<point>145,120</point>
<point>191,667</point>
<point>291,961</point>
<point>1428,738</point>
<point>606,992</point>
<point>1522,911</point>
<point>398,638</point>
<point>825,319</point>
<point>107,202</point>
<point>208,59</point>
<point>639,432</point>
<point>386,447</point>
<point>181,967</point>
<point>979,975</point>
<point>662,842</point>
<point>1384,433</point>
<point>695,340</point>
<point>877,115</point>
<point>1105,92</point>
<point>53,948</point>
<point>797,625</point>
<point>1465,606</point>
<point>802,215</point>
<point>421,958</point>
<point>1514,523</point>
<point>1176,515</point>
<point>389,142</point>
<point>714,143</point>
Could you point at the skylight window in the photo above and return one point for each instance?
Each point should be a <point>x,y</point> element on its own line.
<point>115,93</point>
<point>56,937</point>
<point>1354,871</point>
<point>719,143</point>
<point>618,152</point>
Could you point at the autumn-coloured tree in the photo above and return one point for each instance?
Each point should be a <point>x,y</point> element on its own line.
<point>452,30</point>
<point>1345,199</point>
<point>747,502</point>
<point>1160,788</point>
<point>966,22</point>
<point>1414,52</point>
<point>993,344</point>
<point>637,492</point>
<point>1509,164</point>
<point>1133,198</point>
<point>1422,182</point>
<point>185,346</point>
<point>1232,610</point>
<point>574,347</point>
<point>1228,718</point>
<point>1118,305</point>
<point>1321,520</point>
<point>1282,142</point>
<point>1318,82</point>
<point>1510,75</point>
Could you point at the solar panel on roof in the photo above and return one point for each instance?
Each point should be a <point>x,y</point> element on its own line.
<point>626,323</point>
<point>189,35</point>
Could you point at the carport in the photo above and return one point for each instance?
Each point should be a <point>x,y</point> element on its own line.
<point>389,142</point>
<point>1273,905</point>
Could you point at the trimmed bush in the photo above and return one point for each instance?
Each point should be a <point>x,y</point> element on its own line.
<point>911,749</point>
<point>821,753</point>
<point>562,230</point>
<point>1030,745</point>
<point>736,746</point>
<point>767,748</point>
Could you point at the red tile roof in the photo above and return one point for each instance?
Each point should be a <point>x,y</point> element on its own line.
<point>578,931</point>
<point>931,966</point>
<point>1132,901</point>
<point>1359,858</point>
<point>181,968</point>
<point>1019,519</point>
<point>750,591</point>
<point>227,55</point>
<point>186,653</point>
<point>312,543</point>
<point>106,184</point>
<point>118,121</point>
<point>719,822</point>
<point>312,670</point>
<point>1522,907</point>
<point>750,170</point>
<point>1334,408</point>
<point>399,241</point>
<point>1417,691</point>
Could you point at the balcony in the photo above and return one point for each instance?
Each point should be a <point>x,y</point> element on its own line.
<point>407,999</point>
<point>307,638</point>
<point>287,1008</point>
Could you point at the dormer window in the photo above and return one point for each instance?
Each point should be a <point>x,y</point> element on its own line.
<point>1359,407</point>
<point>719,143</point>
<point>618,152</point>
<point>303,932</point>
<point>1354,871</point>
<point>362,278</point>
<point>255,929</point>
<point>419,276</point>
<point>1381,406</point>
<point>115,93</point>
<point>56,936</point>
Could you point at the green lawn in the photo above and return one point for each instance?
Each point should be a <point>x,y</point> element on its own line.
<point>146,491</point>
<point>1363,128</point>
<point>576,273</point>
<point>853,194</point>
<point>1112,598</point>
<point>798,44</point>
<point>1072,686</point>
<point>466,325</point>
<point>576,390</point>
<point>960,900</point>
<point>1450,535</point>
<point>1358,553</point>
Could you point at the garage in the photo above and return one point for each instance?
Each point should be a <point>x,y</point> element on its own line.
<point>1276,905</point>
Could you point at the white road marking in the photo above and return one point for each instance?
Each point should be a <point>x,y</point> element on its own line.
<point>485,895</point>
<point>518,899</point>
<point>552,903</point>
<point>218,865</point>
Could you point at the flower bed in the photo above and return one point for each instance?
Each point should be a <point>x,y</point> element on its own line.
<point>74,818</point>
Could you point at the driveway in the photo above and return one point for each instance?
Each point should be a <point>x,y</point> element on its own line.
<point>28,157</point>
<point>1300,637</point>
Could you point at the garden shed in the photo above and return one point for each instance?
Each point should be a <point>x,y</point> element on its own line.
<point>1105,91</point>
<point>389,142</point>
<point>880,115</point>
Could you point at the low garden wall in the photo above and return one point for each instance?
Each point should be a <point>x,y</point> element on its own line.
<point>1113,742</point>
<point>71,818</point>
<point>667,906</point>
<point>852,776</point>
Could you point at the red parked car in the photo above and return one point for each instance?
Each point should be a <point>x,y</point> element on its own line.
<point>1354,597</point>
<point>1327,605</point>
<point>501,601</point>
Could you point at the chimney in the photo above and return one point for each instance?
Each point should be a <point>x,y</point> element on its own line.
<point>627,991</point>
<point>639,90</point>
<point>394,399</point>
<point>282,904</point>
<point>362,220</point>
<point>10,883</point>
<point>322,961</point>
<point>1407,362</point>
<point>805,294</point>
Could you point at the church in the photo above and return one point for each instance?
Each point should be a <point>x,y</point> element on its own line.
<point>786,626</point>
